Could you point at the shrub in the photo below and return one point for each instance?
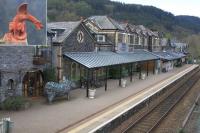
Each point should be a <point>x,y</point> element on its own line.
<point>115,72</point>
<point>14,103</point>
<point>50,75</point>
<point>181,131</point>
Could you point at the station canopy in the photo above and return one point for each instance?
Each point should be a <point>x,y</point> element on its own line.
<point>169,55</point>
<point>103,59</point>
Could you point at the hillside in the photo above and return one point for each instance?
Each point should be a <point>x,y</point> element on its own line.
<point>152,17</point>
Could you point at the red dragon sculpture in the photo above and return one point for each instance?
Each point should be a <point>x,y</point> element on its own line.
<point>17,27</point>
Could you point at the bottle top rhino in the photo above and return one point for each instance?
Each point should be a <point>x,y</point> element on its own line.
<point>17,27</point>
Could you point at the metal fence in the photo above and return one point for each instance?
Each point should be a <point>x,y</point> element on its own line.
<point>6,125</point>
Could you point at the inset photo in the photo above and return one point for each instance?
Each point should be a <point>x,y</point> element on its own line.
<point>23,22</point>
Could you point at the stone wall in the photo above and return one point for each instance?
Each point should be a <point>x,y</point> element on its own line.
<point>16,57</point>
<point>15,61</point>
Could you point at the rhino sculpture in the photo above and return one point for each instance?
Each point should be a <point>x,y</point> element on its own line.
<point>53,89</point>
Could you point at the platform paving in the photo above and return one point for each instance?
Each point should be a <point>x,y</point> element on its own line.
<point>44,118</point>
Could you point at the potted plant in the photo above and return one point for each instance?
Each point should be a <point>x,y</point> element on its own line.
<point>92,92</point>
<point>156,71</point>
<point>123,83</point>
<point>143,76</point>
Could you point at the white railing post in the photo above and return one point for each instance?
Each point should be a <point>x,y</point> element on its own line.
<point>1,127</point>
<point>6,125</point>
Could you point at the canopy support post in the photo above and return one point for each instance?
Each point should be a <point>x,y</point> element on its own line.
<point>131,76</point>
<point>106,79</point>
<point>140,69</point>
<point>87,90</point>
<point>80,76</point>
<point>120,76</point>
<point>154,68</point>
<point>147,68</point>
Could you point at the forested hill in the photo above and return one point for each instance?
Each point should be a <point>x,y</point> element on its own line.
<point>154,18</point>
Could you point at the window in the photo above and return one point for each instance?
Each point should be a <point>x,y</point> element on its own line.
<point>120,38</point>
<point>143,41</point>
<point>128,39</point>
<point>73,71</point>
<point>124,38</point>
<point>10,84</point>
<point>137,40</point>
<point>80,37</point>
<point>131,39</point>
<point>100,38</point>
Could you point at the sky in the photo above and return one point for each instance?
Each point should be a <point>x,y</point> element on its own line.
<point>177,7</point>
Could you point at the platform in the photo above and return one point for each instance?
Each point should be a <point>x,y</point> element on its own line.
<point>98,121</point>
<point>81,114</point>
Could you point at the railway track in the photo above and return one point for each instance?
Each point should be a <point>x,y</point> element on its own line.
<point>152,119</point>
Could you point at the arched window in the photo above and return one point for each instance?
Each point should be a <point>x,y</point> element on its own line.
<point>73,71</point>
<point>10,84</point>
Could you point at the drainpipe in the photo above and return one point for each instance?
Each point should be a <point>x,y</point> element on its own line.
<point>59,67</point>
<point>116,41</point>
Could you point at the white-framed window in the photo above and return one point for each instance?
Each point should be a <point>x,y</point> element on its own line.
<point>137,40</point>
<point>123,38</point>
<point>80,36</point>
<point>101,38</point>
<point>131,39</point>
<point>143,41</point>
<point>128,38</point>
<point>73,71</point>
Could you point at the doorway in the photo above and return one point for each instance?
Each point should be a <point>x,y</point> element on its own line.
<point>33,84</point>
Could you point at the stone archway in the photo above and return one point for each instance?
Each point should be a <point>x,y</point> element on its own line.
<point>33,84</point>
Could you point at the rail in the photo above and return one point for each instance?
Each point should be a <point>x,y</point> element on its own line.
<point>152,119</point>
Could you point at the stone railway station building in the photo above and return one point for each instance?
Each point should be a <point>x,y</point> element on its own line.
<point>98,48</point>
<point>89,52</point>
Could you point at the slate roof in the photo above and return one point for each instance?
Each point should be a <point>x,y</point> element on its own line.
<point>105,22</point>
<point>169,55</point>
<point>177,54</point>
<point>64,29</point>
<point>141,30</point>
<point>102,59</point>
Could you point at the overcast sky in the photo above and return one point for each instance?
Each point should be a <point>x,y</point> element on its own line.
<point>177,7</point>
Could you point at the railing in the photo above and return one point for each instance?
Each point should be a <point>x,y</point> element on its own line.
<point>6,125</point>
<point>1,126</point>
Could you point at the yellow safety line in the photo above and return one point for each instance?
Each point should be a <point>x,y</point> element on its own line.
<point>84,125</point>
